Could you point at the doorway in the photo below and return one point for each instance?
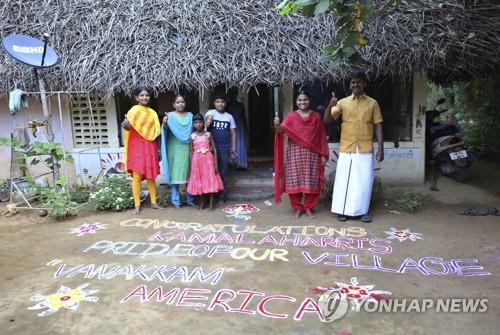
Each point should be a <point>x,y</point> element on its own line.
<point>261,109</point>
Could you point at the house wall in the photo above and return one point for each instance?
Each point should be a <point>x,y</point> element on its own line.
<point>62,133</point>
<point>93,162</point>
<point>87,161</point>
<point>403,165</point>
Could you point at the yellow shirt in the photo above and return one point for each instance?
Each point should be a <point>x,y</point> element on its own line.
<point>359,115</point>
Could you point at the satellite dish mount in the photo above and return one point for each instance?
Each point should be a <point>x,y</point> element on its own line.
<point>37,54</point>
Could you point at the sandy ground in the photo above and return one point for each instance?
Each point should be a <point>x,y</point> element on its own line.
<point>144,289</point>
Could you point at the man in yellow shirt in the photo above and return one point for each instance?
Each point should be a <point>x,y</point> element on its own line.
<point>360,114</point>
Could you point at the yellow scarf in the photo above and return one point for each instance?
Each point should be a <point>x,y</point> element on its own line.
<point>145,121</point>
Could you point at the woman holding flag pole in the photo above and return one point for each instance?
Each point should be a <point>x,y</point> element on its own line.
<point>299,169</point>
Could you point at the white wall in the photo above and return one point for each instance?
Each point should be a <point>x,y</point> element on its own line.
<point>34,112</point>
<point>84,158</point>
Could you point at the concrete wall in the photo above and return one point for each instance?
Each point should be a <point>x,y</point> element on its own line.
<point>62,133</point>
<point>87,161</point>
<point>95,161</point>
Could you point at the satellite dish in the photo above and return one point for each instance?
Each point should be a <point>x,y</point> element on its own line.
<point>30,51</point>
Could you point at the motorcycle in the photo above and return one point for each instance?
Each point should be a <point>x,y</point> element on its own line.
<point>446,147</point>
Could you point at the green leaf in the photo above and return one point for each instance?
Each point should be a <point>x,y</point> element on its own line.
<point>303,3</point>
<point>345,10</point>
<point>321,7</point>
<point>356,59</point>
<point>365,11</point>
<point>285,10</point>
<point>350,40</point>
<point>308,11</point>
<point>329,49</point>
<point>282,4</point>
<point>366,2</point>
<point>348,51</point>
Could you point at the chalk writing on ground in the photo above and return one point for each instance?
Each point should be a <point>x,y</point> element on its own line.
<point>248,229</point>
<point>228,300</point>
<point>163,273</point>
<point>323,246</point>
<point>427,266</point>
<point>64,298</point>
<point>54,262</point>
<point>375,245</point>
<point>144,249</point>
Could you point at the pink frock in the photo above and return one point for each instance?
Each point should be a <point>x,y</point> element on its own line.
<point>203,178</point>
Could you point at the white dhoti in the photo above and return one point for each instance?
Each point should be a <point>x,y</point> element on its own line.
<point>352,189</point>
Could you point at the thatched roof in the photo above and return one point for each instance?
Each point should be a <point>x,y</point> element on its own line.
<point>111,45</point>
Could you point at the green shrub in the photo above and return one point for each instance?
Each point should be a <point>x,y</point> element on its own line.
<point>327,193</point>
<point>57,199</point>
<point>80,194</point>
<point>113,193</point>
<point>404,201</point>
<point>164,199</point>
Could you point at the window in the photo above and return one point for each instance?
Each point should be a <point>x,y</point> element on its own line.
<point>89,120</point>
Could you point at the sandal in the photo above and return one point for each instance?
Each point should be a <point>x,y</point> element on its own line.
<point>366,218</point>
<point>492,211</point>
<point>472,211</point>
<point>341,218</point>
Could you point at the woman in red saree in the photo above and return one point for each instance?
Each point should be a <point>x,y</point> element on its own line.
<point>299,169</point>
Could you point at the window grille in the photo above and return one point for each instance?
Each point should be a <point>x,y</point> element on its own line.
<point>89,129</point>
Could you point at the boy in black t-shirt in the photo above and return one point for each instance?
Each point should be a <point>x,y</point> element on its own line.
<point>223,129</point>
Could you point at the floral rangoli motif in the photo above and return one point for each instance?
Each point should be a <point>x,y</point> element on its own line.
<point>403,235</point>
<point>240,211</point>
<point>87,228</point>
<point>64,298</point>
<point>356,294</point>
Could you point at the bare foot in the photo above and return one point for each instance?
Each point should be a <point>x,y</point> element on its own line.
<point>310,215</point>
<point>155,206</point>
<point>137,210</point>
<point>298,214</point>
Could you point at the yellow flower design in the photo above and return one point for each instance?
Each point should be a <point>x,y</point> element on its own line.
<point>59,300</point>
<point>64,298</point>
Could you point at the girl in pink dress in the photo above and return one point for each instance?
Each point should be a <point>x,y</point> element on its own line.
<point>204,178</point>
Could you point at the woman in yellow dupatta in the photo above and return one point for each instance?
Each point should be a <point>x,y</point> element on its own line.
<point>142,127</point>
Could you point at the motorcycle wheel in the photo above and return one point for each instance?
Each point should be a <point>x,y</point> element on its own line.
<point>461,174</point>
